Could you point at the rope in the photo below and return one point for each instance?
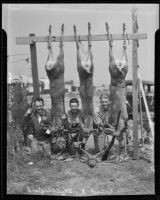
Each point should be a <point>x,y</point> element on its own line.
<point>145,103</point>
<point>141,119</point>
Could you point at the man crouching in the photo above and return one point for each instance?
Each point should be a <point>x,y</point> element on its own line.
<point>75,126</point>
<point>105,120</point>
<point>37,128</point>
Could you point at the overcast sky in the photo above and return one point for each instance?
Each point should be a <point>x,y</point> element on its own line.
<point>23,19</point>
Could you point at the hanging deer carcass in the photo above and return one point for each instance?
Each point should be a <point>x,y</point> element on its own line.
<point>55,72</point>
<point>85,72</point>
<point>118,70</point>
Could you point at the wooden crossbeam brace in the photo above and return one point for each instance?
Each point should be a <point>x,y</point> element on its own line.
<point>31,40</point>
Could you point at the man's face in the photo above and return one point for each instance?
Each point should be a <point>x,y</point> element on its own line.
<point>39,106</point>
<point>104,103</point>
<point>74,107</point>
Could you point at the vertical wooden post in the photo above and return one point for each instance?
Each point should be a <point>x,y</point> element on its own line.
<point>34,67</point>
<point>135,85</point>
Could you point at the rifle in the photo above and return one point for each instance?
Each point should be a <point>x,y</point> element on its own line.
<point>106,153</point>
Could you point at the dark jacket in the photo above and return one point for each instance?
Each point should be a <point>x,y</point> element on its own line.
<point>32,126</point>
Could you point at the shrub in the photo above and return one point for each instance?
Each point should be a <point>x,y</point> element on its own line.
<point>17,105</point>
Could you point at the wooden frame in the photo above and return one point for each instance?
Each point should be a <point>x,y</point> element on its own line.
<point>32,39</point>
<point>70,38</point>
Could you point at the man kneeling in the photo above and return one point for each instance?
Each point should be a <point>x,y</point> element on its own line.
<point>77,132</point>
<point>37,128</point>
<point>105,123</point>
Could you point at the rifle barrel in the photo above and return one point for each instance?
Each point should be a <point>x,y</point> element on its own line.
<point>106,154</point>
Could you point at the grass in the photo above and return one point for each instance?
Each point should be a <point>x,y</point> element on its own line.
<point>45,178</point>
<point>76,178</point>
<point>72,178</point>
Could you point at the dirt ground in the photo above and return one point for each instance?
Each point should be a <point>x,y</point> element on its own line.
<point>75,178</point>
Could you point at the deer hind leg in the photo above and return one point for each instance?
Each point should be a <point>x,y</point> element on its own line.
<point>60,57</point>
<point>124,55</point>
<point>79,56</point>
<point>78,48</point>
<point>50,60</point>
<point>89,61</point>
<point>111,54</point>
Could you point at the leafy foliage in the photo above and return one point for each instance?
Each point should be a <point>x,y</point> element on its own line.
<point>17,105</point>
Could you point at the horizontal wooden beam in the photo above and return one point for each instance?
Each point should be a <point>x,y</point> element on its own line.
<point>31,40</point>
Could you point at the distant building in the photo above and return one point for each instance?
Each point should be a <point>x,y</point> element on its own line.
<point>75,87</point>
<point>70,86</point>
<point>100,87</point>
<point>27,82</point>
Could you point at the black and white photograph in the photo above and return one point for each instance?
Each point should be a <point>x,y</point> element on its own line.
<point>80,98</point>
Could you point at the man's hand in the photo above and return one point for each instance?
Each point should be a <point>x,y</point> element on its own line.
<point>30,137</point>
<point>77,120</point>
<point>48,131</point>
<point>44,118</point>
<point>63,117</point>
<point>28,111</point>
